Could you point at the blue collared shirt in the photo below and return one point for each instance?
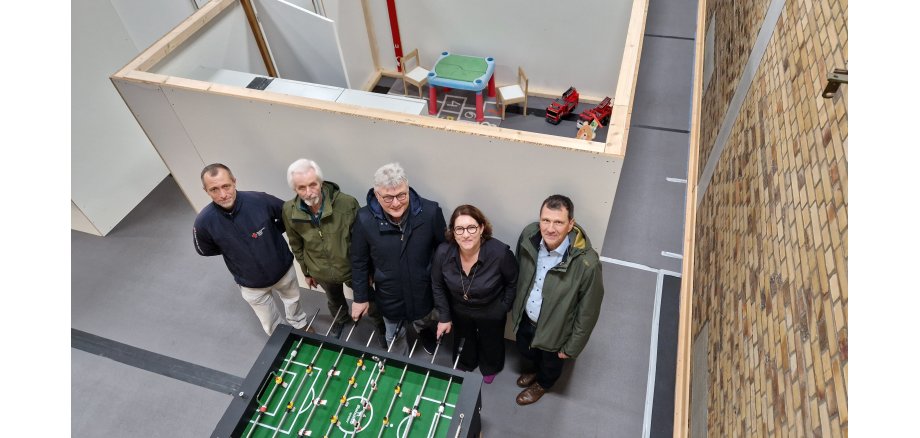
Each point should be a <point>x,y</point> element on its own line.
<point>546,260</point>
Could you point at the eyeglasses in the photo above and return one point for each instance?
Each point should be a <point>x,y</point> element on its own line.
<point>472,229</point>
<point>388,199</point>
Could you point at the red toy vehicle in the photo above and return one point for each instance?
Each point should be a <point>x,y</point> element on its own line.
<point>562,106</point>
<point>601,113</point>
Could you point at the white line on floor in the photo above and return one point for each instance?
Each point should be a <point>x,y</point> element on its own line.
<point>639,266</point>
<point>652,360</point>
<point>676,180</point>
<point>672,255</point>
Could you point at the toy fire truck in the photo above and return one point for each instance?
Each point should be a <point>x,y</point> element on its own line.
<point>562,106</point>
<point>601,113</point>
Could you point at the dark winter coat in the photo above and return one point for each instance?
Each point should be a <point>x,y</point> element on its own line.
<point>398,262</point>
<point>248,236</point>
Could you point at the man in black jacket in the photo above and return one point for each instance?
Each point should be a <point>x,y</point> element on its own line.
<point>245,228</point>
<point>393,240</point>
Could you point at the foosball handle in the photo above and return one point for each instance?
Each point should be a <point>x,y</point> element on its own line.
<point>459,352</point>
<point>459,426</point>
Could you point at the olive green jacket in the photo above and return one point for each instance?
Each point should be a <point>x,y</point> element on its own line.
<point>572,292</point>
<point>322,251</point>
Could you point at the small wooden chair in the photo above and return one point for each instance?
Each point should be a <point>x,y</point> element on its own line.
<point>417,76</point>
<point>511,94</point>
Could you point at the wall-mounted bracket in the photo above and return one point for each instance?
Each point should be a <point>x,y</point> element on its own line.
<point>834,79</point>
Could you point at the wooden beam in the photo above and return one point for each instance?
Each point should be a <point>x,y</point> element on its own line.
<point>371,38</point>
<point>685,323</point>
<point>260,39</point>
<point>618,134</point>
<point>175,37</point>
<point>425,120</point>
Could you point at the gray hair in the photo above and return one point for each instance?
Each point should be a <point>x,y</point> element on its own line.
<point>303,167</point>
<point>390,175</point>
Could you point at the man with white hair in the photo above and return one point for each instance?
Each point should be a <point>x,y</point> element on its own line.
<point>392,243</point>
<point>318,221</point>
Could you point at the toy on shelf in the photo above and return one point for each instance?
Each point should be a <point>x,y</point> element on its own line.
<point>600,113</point>
<point>562,106</point>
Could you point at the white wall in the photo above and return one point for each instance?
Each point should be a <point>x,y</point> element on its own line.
<point>113,164</point>
<point>353,39</point>
<point>559,43</point>
<point>304,45</point>
<point>226,42</point>
<point>147,21</point>
<point>258,139</point>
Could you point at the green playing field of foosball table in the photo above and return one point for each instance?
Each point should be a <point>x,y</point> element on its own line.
<point>310,385</point>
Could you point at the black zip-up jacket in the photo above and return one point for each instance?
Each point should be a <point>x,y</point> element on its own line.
<point>490,287</point>
<point>248,236</point>
<point>400,262</point>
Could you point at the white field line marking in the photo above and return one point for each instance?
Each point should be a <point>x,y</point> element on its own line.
<point>652,360</point>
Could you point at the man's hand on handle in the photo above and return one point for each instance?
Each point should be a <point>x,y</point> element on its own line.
<point>358,310</point>
<point>443,328</point>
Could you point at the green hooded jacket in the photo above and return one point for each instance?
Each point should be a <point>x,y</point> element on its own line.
<point>572,292</point>
<point>322,251</point>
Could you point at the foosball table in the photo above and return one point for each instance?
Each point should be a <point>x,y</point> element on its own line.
<point>310,385</point>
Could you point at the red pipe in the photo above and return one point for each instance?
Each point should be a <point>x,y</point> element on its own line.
<point>394,29</point>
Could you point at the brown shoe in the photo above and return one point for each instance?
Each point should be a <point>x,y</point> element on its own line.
<point>526,379</point>
<point>530,395</point>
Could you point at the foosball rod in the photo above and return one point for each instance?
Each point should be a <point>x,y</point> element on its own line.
<point>328,378</point>
<point>418,398</point>
<point>380,365</point>
<point>351,382</point>
<point>309,371</point>
<point>386,417</point>
<point>279,375</point>
<point>437,418</point>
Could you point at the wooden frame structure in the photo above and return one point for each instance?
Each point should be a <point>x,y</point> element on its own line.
<point>615,143</point>
<point>183,152</point>
<point>684,326</point>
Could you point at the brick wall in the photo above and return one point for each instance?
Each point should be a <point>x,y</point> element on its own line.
<point>771,231</point>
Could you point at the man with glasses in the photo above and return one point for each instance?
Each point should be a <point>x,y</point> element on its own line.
<point>559,294</point>
<point>245,228</point>
<point>392,242</point>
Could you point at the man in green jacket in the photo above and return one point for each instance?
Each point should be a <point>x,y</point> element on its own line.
<point>559,294</point>
<point>318,221</point>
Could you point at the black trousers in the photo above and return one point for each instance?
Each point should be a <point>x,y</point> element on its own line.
<point>335,297</point>
<point>547,364</point>
<point>484,346</point>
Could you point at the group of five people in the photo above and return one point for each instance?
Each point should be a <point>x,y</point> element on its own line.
<point>405,265</point>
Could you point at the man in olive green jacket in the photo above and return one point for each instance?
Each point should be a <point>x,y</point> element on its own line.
<point>560,290</point>
<point>318,222</point>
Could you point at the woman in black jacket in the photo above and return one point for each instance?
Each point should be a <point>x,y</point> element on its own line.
<point>473,277</point>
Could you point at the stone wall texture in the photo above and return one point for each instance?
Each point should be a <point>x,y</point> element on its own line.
<point>771,231</point>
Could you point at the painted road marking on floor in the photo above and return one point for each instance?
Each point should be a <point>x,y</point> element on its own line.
<point>639,266</point>
<point>652,359</point>
<point>672,255</point>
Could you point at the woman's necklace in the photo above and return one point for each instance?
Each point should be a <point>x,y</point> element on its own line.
<point>466,287</point>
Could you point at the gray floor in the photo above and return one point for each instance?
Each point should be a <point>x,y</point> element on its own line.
<point>143,285</point>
